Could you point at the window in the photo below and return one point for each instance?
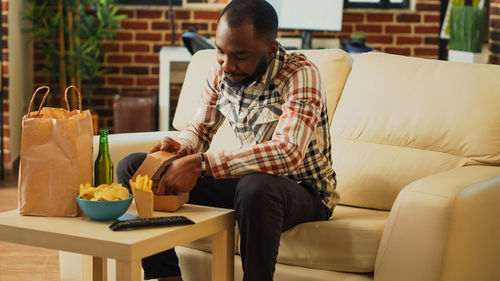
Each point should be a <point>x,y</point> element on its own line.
<point>377,4</point>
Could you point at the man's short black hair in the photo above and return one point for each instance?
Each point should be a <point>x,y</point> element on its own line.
<point>259,12</point>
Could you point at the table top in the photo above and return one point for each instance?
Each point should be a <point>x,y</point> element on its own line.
<point>84,236</point>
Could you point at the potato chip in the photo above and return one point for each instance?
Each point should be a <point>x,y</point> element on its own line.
<point>107,194</point>
<point>86,191</point>
<point>122,193</point>
<point>104,192</point>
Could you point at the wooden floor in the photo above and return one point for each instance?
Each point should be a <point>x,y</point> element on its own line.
<point>23,263</point>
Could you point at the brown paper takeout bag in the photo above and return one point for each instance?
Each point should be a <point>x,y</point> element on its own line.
<point>56,156</point>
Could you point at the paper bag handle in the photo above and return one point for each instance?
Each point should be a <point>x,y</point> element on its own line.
<point>79,97</point>
<point>43,100</point>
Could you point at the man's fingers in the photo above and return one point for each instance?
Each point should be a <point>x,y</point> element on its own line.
<point>165,146</point>
<point>166,189</point>
<point>164,143</point>
<point>181,152</point>
<point>171,190</point>
<point>170,145</point>
<point>160,190</point>
<point>155,148</point>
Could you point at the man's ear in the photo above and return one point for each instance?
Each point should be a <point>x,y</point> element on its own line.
<point>273,49</point>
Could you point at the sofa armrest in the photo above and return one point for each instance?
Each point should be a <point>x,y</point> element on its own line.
<point>473,248</point>
<point>426,228</point>
<point>121,145</point>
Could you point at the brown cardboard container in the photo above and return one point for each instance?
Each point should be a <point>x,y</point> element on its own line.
<point>170,203</point>
<point>143,202</point>
<point>154,165</point>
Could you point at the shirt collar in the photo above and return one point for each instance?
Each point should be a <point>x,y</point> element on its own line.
<point>273,68</point>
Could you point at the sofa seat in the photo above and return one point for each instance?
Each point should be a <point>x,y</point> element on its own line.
<point>347,242</point>
<point>196,265</point>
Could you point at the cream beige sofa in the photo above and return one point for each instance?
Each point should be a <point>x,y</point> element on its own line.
<point>416,148</point>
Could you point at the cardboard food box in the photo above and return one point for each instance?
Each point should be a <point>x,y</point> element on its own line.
<point>154,165</point>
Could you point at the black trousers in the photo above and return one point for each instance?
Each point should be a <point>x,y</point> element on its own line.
<point>265,206</point>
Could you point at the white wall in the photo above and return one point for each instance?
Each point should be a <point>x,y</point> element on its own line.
<point>20,74</point>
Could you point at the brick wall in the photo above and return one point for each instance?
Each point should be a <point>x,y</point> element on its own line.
<point>402,32</point>
<point>494,36</point>
<point>133,61</point>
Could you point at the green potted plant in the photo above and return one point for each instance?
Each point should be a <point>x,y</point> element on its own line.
<point>467,26</point>
<point>69,34</point>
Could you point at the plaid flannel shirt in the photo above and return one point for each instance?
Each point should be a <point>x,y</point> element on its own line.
<point>280,121</point>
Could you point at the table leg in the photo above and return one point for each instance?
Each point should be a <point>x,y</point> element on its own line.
<point>223,255</point>
<point>99,269</point>
<point>128,270</point>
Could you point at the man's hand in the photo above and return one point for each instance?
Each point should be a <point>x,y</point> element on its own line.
<point>170,145</point>
<point>180,176</point>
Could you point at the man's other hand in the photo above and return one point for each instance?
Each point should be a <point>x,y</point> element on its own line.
<point>170,145</point>
<point>180,176</point>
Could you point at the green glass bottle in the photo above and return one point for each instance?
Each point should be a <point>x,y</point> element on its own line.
<point>103,166</point>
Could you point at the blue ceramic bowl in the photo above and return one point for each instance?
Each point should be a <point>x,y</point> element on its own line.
<point>104,210</point>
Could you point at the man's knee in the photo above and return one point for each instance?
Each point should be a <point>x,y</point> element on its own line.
<point>253,190</point>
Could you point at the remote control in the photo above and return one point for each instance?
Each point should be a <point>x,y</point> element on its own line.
<point>157,221</point>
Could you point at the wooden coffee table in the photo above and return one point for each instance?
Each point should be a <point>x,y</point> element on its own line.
<point>128,247</point>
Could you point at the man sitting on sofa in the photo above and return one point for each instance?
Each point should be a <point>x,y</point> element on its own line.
<point>282,174</point>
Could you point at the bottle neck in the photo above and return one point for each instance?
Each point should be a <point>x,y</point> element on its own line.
<point>103,143</point>
<point>103,148</point>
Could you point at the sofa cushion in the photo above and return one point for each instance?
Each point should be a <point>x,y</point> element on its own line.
<point>401,118</point>
<point>192,87</point>
<point>197,265</point>
<point>334,66</point>
<point>347,242</point>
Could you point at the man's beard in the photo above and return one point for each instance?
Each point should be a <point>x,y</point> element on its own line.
<point>261,69</point>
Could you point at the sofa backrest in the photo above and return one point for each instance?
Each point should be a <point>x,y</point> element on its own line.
<point>333,64</point>
<point>401,118</point>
